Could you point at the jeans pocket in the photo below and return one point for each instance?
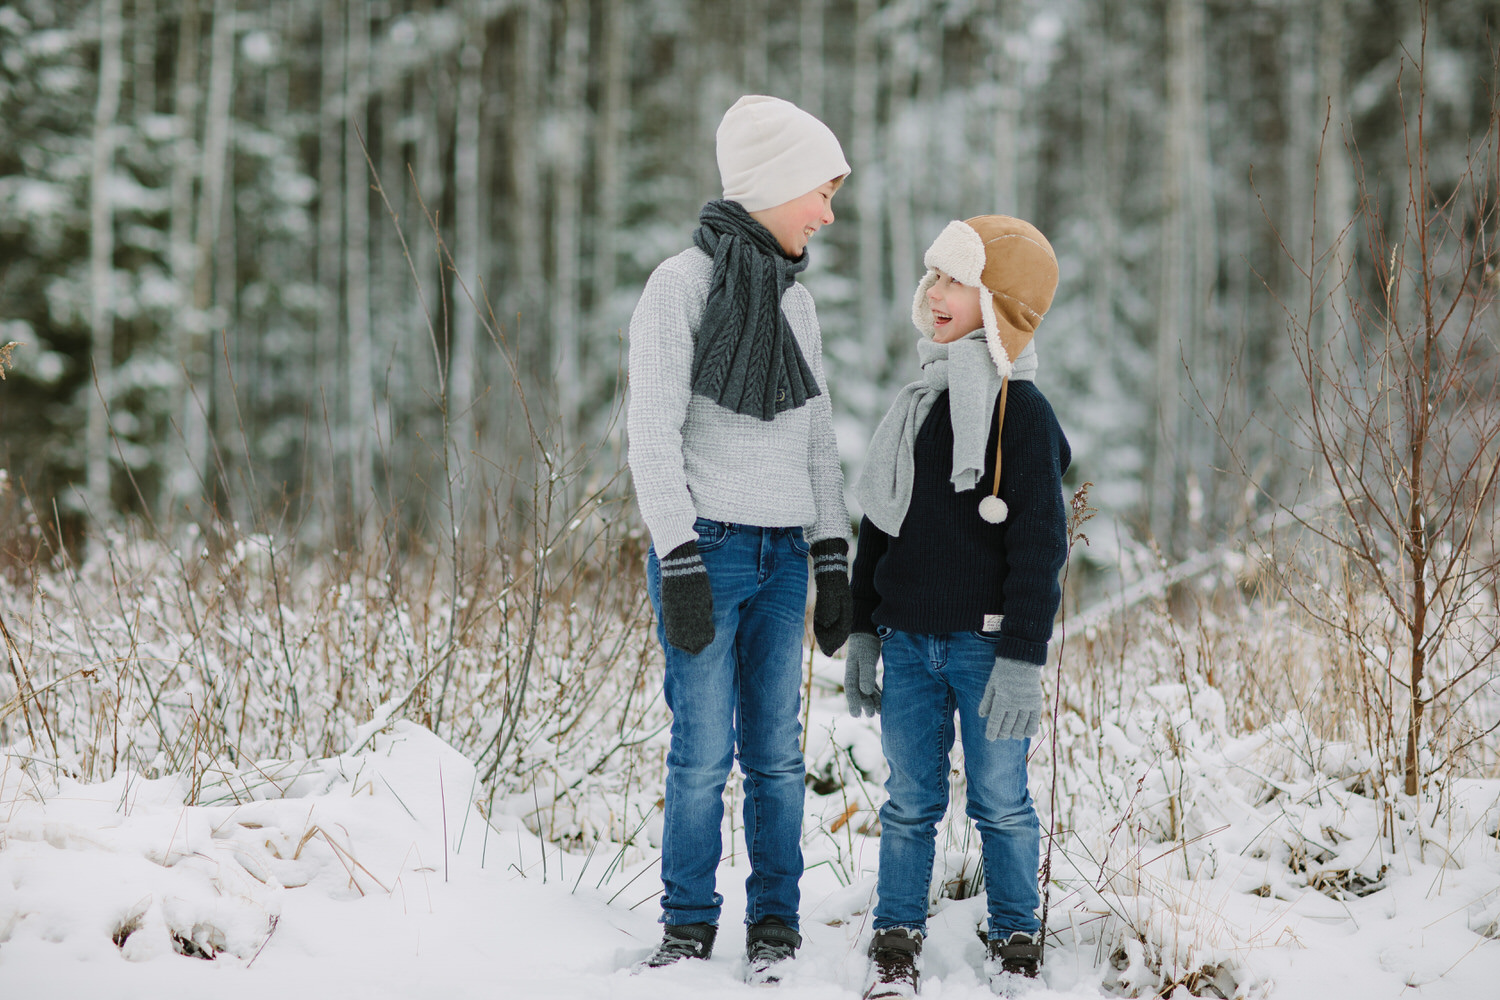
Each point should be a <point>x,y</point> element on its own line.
<point>990,637</point>
<point>711,534</point>
<point>799,542</point>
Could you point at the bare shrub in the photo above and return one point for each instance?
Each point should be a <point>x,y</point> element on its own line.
<point>1400,420</point>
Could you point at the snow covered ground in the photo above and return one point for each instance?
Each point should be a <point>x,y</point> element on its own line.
<point>373,875</point>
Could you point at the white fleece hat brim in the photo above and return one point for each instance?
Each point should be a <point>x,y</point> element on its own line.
<point>959,251</point>
<point>771,151</point>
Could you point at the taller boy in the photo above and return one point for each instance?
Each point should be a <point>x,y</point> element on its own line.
<point>737,475</point>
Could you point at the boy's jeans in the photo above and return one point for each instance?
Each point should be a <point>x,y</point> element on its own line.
<point>740,694</point>
<point>927,679</point>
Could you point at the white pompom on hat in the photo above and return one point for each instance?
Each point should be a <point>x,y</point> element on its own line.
<point>771,151</point>
<point>1015,270</point>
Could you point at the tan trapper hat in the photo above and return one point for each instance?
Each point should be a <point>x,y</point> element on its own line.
<point>1015,270</point>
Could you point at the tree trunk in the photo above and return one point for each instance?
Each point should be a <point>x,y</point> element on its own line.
<point>905,153</point>
<point>871,291</point>
<point>1002,131</point>
<point>567,340</point>
<point>263,381</point>
<point>207,273</point>
<point>101,256</point>
<point>188,477</point>
<point>469,258</point>
<point>755,59</point>
<point>1186,270</point>
<point>1335,179</point>
<point>143,59</point>
<point>527,327</point>
<point>811,15</point>
<point>1104,144</point>
<point>361,414</point>
<point>609,126</point>
<point>423,196</point>
<point>328,377</point>
<point>390,280</point>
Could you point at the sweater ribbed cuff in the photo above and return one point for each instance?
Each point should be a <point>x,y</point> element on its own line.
<point>1024,650</point>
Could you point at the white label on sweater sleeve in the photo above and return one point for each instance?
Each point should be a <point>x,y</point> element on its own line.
<point>992,622</point>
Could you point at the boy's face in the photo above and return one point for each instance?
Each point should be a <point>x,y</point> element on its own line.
<point>793,222</point>
<point>955,308</point>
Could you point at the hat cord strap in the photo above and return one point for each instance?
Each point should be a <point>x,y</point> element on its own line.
<point>1000,434</point>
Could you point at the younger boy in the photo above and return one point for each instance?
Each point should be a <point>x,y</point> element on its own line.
<point>955,587</point>
<point>737,476</point>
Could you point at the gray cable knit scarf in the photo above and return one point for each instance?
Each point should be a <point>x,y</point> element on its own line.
<point>965,370</point>
<point>745,356</point>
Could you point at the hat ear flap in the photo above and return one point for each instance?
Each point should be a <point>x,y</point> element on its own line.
<point>1004,363</point>
<point>921,309</point>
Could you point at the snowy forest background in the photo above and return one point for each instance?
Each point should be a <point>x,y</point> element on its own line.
<point>312,332</point>
<point>216,306</point>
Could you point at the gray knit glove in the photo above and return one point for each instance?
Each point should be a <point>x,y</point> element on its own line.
<point>860,689</point>
<point>687,600</point>
<point>1012,700</point>
<point>833,614</point>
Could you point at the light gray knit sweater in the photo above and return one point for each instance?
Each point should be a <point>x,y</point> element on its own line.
<point>691,457</point>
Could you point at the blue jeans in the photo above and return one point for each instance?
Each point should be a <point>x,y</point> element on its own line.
<point>739,697</point>
<point>927,679</point>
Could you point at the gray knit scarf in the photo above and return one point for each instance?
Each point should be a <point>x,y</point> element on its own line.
<point>745,356</point>
<point>965,370</point>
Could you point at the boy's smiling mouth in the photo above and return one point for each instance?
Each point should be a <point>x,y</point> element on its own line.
<point>939,318</point>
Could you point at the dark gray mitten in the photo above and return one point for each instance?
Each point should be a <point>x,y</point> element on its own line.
<point>833,614</point>
<point>860,689</point>
<point>1012,700</point>
<point>687,600</point>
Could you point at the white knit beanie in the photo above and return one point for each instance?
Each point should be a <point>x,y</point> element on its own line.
<point>771,151</point>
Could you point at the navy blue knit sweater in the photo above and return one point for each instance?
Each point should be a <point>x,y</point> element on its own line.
<point>949,568</point>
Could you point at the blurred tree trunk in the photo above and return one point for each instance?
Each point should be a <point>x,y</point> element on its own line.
<point>1002,127</point>
<point>188,478</point>
<point>423,196</point>
<point>361,414</point>
<point>1335,177</point>
<point>867,192</point>
<point>568,341</point>
<point>1187,265</point>
<point>422,184</point>
<point>755,58</point>
<point>904,153</point>
<point>524,320</point>
<point>391,288</point>
<point>1104,134</point>
<point>469,258</point>
<point>143,59</point>
<point>328,377</point>
<point>609,132</point>
<point>811,16</point>
<point>267,386</point>
<point>214,280</point>
<point>101,257</point>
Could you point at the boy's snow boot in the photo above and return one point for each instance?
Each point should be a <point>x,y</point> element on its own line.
<point>681,941</point>
<point>893,954</point>
<point>1018,955</point>
<point>768,943</point>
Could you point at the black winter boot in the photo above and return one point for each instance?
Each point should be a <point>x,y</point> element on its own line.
<point>681,941</point>
<point>1017,955</point>
<point>894,953</point>
<point>769,943</point>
